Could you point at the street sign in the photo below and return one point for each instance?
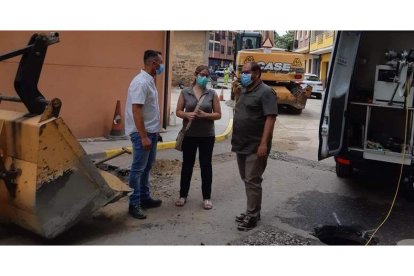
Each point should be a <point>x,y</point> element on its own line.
<point>267,43</point>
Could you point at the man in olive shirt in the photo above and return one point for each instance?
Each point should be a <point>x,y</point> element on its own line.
<point>254,119</point>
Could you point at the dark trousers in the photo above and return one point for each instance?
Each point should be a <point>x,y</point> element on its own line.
<point>205,151</point>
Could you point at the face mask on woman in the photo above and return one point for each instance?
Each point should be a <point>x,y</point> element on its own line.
<point>246,79</point>
<point>202,81</point>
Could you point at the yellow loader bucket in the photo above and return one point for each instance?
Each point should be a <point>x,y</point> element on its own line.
<point>47,182</point>
<point>298,101</point>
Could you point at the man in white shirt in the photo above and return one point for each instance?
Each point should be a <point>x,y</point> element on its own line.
<point>142,124</point>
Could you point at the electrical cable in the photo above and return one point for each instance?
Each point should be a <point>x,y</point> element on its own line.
<point>408,88</point>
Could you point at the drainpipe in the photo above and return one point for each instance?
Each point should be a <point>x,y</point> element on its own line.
<point>166,79</point>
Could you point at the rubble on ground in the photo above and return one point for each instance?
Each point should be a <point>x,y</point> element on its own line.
<point>269,235</point>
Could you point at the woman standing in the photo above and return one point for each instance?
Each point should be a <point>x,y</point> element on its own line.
<point>200,135</point>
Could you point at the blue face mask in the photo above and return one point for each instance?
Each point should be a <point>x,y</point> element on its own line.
<point>246,79</point>
<point>202,81</point>
<point>160,69</point>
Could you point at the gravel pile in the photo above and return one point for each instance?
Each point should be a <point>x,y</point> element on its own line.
<point>269,235</point>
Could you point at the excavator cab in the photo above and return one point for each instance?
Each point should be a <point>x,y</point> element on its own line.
<point>47,181</point>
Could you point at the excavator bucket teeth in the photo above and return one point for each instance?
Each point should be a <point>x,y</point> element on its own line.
<point>53,182</point>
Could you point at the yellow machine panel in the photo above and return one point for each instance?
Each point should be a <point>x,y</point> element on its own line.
<point>276,65</point>
<point>282,70</point>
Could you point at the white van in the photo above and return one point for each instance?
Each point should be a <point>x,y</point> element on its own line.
<point>367,114</point>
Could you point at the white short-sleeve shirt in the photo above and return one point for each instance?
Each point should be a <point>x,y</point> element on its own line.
<point>142,90</point>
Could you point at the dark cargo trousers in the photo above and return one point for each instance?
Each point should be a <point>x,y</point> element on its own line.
<point>251,169</point>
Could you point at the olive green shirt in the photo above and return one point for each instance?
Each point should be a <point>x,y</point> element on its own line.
<point>250,116</point>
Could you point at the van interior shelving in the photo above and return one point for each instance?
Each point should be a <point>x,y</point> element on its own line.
<point>375,122</point>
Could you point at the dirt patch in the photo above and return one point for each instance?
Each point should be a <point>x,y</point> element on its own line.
<point>283,145</point>
<point>165,171</point>
<point>297,138</point>
<point>283,156</point>
<point>162,178</point>
<point>224,157</point>
<point>163,167</point>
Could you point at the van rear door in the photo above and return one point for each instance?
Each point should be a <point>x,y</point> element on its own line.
<point>332,123</point>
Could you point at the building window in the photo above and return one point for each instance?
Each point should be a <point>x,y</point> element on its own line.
<point>210,46</point>
<point>230,36</point>
<point>222,49</point>
<point>229,50</point>
<point>212,36</point>
<point>216,47</point>
<point>223,35</point>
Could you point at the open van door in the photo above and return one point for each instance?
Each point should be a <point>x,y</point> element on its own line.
<point>332,123</point>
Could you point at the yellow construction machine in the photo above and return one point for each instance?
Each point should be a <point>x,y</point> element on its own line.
<point>281,69</point>
<point>47,181</point>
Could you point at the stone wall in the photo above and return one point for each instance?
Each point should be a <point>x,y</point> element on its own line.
<point>189,50</point>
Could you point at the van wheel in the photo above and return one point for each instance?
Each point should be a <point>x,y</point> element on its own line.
<point>343,171</point>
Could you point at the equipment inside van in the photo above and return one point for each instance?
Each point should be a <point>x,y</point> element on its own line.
<point>367,114</point>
